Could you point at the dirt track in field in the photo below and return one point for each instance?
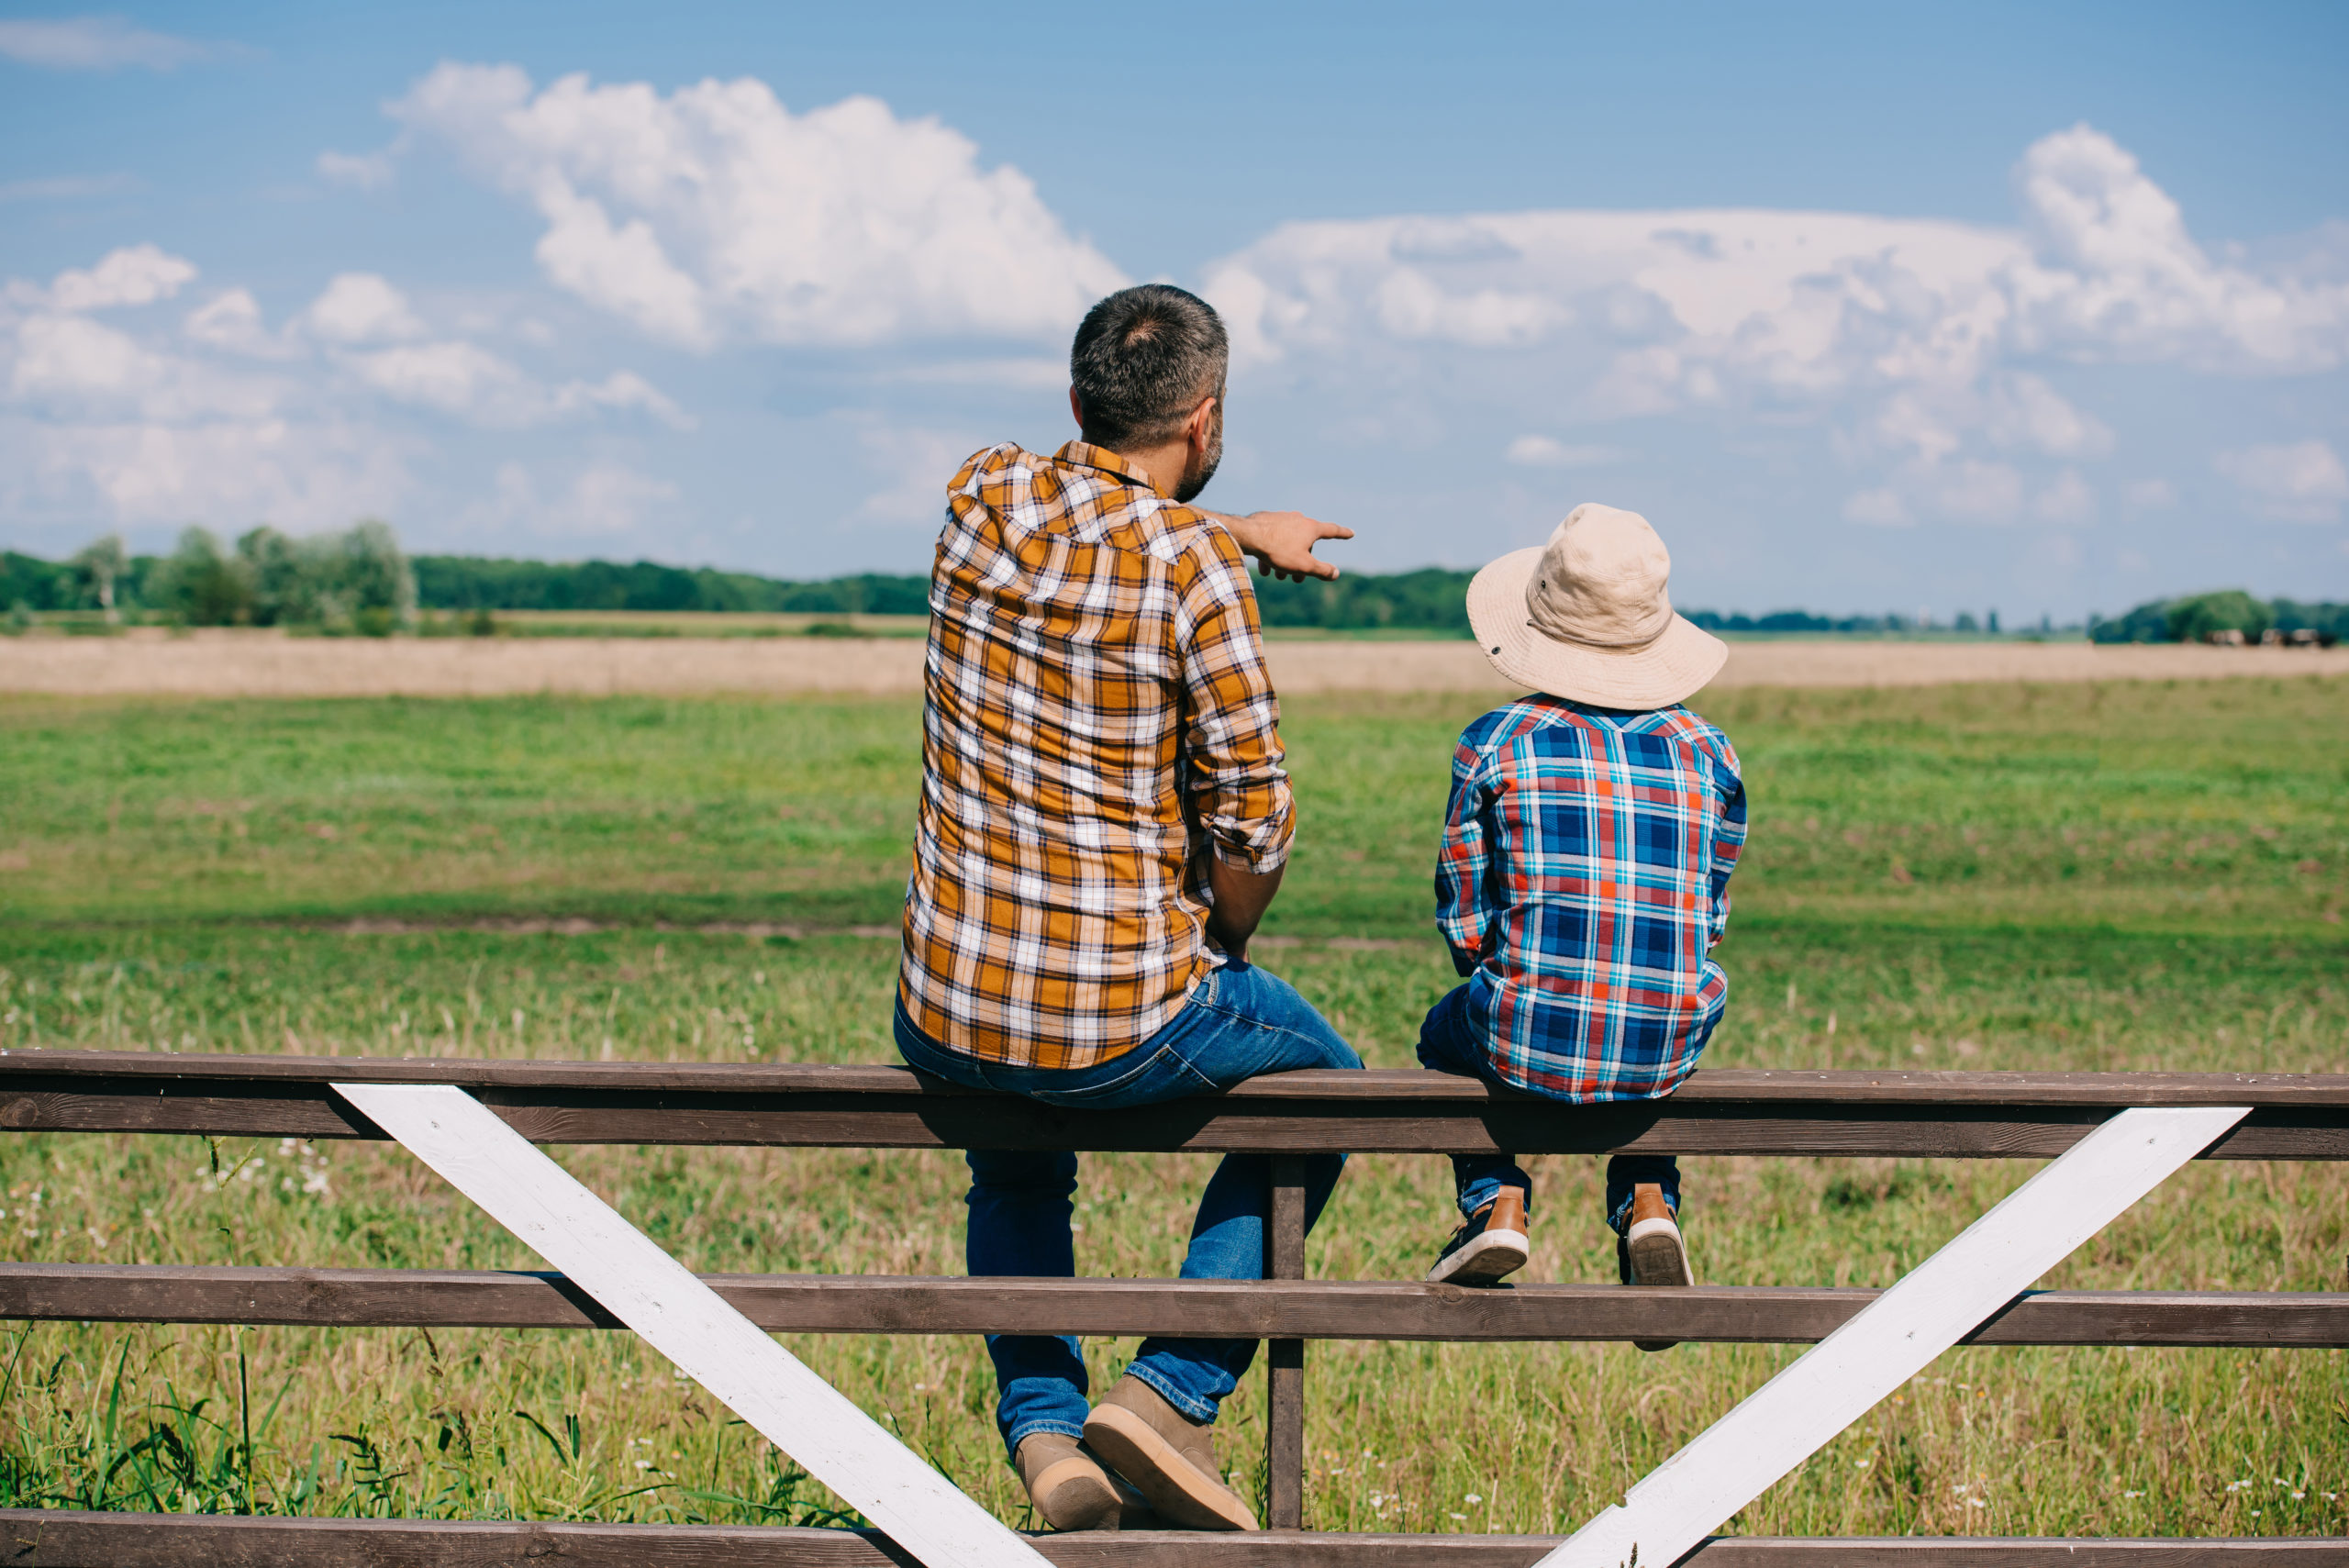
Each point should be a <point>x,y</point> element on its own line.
<point>266,664</point>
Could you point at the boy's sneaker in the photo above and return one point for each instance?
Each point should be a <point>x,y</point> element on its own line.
<point>1168,1457</point>
<point>1069,1487</point>
<point>1491,1246</point>
<point>1651,1251</point>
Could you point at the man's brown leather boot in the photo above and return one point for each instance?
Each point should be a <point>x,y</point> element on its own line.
<point>1650,1250</point>
<point>1070,1490</point>
<point>1168,1457</point>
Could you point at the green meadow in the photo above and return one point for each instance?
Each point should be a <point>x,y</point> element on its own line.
<point>2107,877</point>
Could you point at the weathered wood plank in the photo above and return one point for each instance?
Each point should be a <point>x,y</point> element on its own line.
<point>1886,1086</point>
<point>1273,1309</point>
<point>1284,1358</point>
<point>2038,1115</point>
<point>62,1539</point>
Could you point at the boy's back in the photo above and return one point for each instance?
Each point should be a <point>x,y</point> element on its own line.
<point>1583,883</point>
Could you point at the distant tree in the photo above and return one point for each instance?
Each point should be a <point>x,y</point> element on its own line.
<point>376,581</point>
<point>203,584</point>
<point>2230,609</point>
<point>1991,624</point>
<point>1966,622</point>
<point>35,584</point>
<point>2149,622</point>
<point>284,586</point>
<point>2293,614</point>
<point>99,565</point>
<point>356,580</point>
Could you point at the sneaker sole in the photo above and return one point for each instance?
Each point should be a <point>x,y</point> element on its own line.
<point>1493,1256</point>
<point>1074,1494</point>
<point>1658,1257</point>
<point>1178,1490</point>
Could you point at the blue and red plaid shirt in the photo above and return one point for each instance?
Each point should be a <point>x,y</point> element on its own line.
<point>1583,884</point>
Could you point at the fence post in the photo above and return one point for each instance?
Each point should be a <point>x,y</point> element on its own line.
<point>1284,1359</point>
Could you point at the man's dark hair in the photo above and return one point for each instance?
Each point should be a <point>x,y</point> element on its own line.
<point>1142,362</point>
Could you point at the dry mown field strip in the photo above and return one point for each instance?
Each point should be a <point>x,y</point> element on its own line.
<point>251,664</point>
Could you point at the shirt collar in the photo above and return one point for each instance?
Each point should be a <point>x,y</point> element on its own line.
<point>1083,455</point>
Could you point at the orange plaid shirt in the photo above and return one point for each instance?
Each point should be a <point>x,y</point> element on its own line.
<point>1098,720</point>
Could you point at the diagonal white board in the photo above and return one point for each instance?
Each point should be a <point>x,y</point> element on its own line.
<point>1896,1336</point>
<point>682,1319</point>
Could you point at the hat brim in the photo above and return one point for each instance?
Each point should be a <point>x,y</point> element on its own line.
<point>1671,669</point>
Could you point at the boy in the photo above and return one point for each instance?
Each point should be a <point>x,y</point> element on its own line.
<point>1583,878</point>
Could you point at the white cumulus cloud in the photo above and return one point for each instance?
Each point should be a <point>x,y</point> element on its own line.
<point>2120,277</point>
<point>1938,358</point>
<point>362,307</point>
<point>1797,304</point>
<point>135,274</point>
<point>112,412</point>
<point>231,320</point>
<point>714,214</point>
<point>2298,480</point>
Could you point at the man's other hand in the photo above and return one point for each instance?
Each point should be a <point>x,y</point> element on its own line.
<point>1281,543</point>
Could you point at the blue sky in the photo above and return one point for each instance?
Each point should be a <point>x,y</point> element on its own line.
<point>1865,308</point>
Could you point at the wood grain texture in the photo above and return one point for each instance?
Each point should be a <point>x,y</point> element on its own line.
<point>1284,1358</point>
<point>1273,1309</point>
<point>64,1539</point>
<point>1954,1115</point>
<point>1886,1086</point>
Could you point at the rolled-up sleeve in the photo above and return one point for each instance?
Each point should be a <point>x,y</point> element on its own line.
<point>1233,778</point>
<point>1463,912</point>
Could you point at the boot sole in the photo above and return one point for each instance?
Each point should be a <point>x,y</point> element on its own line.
<point>1658,1257</point>
<point>1178,1490</point>
<point>1489,1258</point>
<point>1074,1494</point>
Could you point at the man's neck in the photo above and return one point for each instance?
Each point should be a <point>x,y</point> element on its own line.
<point>1159,467</point>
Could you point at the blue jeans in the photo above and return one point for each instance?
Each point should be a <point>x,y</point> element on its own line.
<point>1240,1022</point>
<point>1449,1044</point>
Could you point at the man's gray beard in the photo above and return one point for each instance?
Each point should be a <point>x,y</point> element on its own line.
<point>1195,477</point>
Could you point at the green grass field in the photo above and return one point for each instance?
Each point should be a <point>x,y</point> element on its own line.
<point>2105,877</point>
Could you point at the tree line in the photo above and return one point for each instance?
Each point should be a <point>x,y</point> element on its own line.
<point>360,580</point>
<point>357,579</point>
<point>2200,617</point>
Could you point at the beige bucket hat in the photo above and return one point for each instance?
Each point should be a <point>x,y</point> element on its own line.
<point>1586,616</point>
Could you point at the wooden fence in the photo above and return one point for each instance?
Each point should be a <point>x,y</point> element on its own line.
<point>1947,1115</point>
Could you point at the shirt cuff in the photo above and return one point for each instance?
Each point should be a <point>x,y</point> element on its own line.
<point>1257,848</point>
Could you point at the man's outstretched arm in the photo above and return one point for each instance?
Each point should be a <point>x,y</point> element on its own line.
<point>1282,542</point>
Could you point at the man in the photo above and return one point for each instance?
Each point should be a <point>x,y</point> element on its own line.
<point>1103,820</point>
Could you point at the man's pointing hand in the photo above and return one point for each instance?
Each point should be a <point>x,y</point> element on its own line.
<point>1282,542</point>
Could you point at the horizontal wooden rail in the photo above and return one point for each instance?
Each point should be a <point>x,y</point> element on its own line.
<point>61,1539</point>
<point>1296,1309</point>
<point>1989,1115</point>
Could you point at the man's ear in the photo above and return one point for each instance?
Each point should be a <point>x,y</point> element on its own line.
<point>1077,409</point>
<point>1199,429</point>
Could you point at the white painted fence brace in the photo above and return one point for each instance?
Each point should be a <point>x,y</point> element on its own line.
<point>687,1321</point>
<point>1949,1295</point>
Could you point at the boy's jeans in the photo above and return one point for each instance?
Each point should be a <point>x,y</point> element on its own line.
<point>1448,1044</point>
<point>1239,1023</point>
